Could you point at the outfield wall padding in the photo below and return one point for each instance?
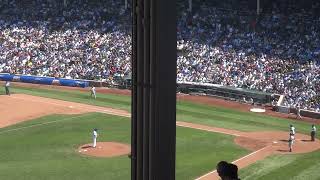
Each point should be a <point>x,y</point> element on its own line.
<point>44,80</point>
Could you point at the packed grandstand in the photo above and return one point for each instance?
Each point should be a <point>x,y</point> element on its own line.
<point>219,42</point>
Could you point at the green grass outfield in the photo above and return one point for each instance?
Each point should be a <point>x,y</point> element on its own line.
<point>274,167</point>
<point>38,149</point>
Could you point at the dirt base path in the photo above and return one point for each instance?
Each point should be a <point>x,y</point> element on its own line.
<point>20,107</point>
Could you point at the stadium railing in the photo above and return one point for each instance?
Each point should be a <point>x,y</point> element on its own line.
<point>226,92</point>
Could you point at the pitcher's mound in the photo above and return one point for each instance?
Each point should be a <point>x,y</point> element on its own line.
<point>105,149</point>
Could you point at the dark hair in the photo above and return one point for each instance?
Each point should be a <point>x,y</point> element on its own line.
<point>233,171</point>
<point>222,168</point>
<point>227,170</point>
<point>95,129</point>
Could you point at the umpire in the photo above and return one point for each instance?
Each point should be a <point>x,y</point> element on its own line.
<point>313,132</point>
<point>7,86</point>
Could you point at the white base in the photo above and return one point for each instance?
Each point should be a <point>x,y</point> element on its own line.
<point>258,110</point>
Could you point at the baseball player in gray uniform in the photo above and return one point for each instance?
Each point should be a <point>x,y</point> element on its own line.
<point>7,87</point>
<point>291,141</point>
<point>291,136</point>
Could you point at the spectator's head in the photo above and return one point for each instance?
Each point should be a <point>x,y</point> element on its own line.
<point>227,171</point>
<point>233,171</point>
<point>222,169</point>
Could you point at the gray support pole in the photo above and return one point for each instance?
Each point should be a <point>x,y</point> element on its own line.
<point>65,3</point>
<point>125,4</point>
<point>190,5</point>
<point>258,7</point>
<point>154,90</point>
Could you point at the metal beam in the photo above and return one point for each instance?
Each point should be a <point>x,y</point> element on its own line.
<point>154,90</point>
<point>258,7</point>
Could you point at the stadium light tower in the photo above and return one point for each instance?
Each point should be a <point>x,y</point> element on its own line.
<point>154,60</point>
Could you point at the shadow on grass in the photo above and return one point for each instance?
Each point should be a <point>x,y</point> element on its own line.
<point>87,147</point>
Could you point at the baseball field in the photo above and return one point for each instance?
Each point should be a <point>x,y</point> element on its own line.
<point>46,131</point>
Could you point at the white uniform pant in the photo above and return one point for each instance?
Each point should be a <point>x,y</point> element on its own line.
<point>93,94</point>
<point>94,142</point>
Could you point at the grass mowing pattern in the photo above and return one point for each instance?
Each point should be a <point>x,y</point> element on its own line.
<point>232,119</point>
<point>49,151</point>
<point>200,151</point>
<point>296,167</point>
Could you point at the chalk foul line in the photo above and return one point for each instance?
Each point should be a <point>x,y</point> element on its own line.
<point>179,123</point>
<point>251,154</point>
<point>41,124</point>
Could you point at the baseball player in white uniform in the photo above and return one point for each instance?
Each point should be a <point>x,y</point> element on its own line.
<point>93,92</point>
<point>313,132</point>
<point>95,135</point>
<point>292,130</point>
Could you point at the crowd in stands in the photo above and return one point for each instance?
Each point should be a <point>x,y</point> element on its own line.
<point>274,52</point>
<point>87,41</point>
